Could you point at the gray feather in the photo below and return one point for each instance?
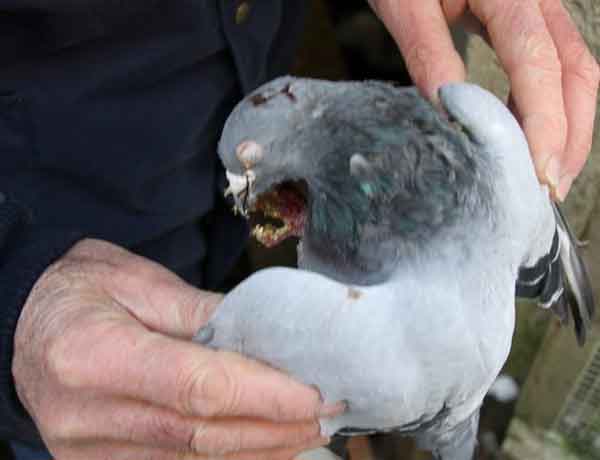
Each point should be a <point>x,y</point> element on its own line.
<point>418,233</point>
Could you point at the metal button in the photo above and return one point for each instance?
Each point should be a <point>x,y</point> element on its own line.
<point>242,12</point>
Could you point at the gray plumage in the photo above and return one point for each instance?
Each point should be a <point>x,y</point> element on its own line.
<point>418,229</point>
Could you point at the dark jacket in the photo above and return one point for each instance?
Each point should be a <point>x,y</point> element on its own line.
<point>110,112</point>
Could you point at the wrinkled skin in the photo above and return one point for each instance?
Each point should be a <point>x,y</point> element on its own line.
<point>103,366</point>
<point>553,76</point>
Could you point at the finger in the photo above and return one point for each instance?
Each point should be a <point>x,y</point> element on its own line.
<point>421,32</point>
<point>527,52</point>
<point>163,301</point>
<point>138,423</point>
<point>152,294</point>
<point>171,306</point>
<point>580,77</point>
<point>181,375</point>
<point>125,451</point>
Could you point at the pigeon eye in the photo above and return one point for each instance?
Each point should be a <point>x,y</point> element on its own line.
<point>249,153</point>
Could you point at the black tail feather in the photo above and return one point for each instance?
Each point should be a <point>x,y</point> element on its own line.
<point>560,281</point>
<point>578,293</point>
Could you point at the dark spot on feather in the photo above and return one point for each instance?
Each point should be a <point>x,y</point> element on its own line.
<point>354,294</point>
<point>258,99</point>
<point>287,90</point>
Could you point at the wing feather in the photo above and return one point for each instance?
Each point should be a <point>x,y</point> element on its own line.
<point>579,294</point>
<point>560,281</point>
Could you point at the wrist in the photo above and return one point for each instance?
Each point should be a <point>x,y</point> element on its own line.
<point>25,252</point>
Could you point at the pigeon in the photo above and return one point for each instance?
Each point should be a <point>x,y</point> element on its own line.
<point>417,228</point>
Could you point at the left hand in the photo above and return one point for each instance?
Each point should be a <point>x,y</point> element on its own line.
<point>104,364</point>
<point>553,76</point>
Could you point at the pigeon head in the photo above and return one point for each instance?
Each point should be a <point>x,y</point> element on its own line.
<point>260,132</point>
<point>266,150</point>
<point>364,172</point>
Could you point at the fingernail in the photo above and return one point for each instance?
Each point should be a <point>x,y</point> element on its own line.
<point>316,388</point>
<point>566,182</point>
<point>333,410</point>
<point>205,335</point>
<point>552,172</point>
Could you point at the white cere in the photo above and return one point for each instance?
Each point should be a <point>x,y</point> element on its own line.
<point>249,153</point>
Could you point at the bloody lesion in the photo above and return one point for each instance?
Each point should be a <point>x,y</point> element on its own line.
<point>259,99</point>
<point>279,214</point>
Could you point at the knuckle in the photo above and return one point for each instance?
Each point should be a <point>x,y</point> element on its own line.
<point>204,440</point>
<point>165,427</point>
<point>61,366</point>
<point>540,53</point>
<point>197,442</point>
<point>278,409</point>
<point>187,383</point>
<point>209,390</point>
<point>227,442</point>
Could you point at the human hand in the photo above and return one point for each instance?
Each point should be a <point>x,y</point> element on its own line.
<point>553,76</point>
<point>104,366</point>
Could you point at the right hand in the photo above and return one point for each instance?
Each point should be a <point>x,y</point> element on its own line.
<point>553,75</point>
<point>104,365</point>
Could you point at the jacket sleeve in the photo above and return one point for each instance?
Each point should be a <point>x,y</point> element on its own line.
<point>25,252</point>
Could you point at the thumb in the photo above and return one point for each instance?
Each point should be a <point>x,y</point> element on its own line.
<point>153,295</point>
<point>179,309</point>
<point>420,29</point>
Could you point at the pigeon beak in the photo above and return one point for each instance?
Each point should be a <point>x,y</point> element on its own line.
<point>240,187</point>
<point>237,184</point>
